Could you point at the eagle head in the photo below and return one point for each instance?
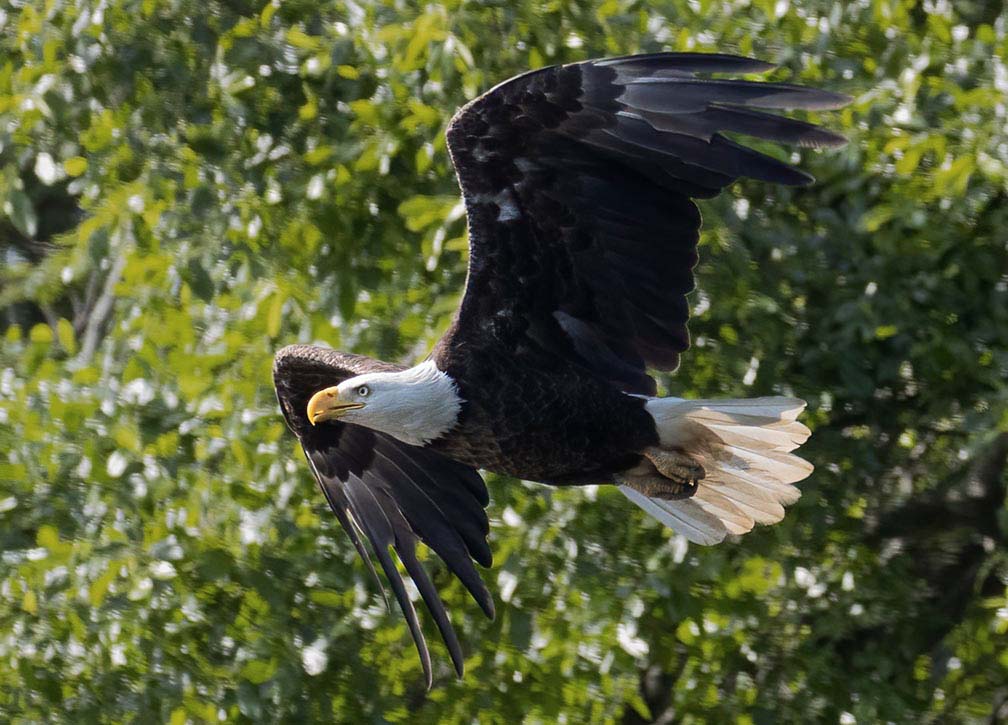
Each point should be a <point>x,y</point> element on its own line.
<point>415,405</point>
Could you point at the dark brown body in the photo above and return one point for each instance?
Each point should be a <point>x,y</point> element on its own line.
<point>523,415</point>
<point>546,422</point>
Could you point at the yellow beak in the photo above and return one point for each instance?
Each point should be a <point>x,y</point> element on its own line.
<point>326,405</point>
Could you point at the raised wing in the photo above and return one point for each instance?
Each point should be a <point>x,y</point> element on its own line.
<point>578,182</point>
<point>392,493</point>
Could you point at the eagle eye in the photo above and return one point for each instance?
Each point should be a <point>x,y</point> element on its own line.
<point>363,391</point>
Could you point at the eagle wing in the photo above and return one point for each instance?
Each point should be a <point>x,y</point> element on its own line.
<point>578,183</point>
<point>392,493</point>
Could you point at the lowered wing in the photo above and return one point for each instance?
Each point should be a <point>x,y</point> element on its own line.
<point>390,493</point>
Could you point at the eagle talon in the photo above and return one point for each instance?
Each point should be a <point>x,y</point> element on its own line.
<point>657,486</point>
<point>675,465</point>
<point>679,474</point>
<point>669,475</point>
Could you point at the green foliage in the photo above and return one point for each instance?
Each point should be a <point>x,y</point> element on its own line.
<point>185,187</point>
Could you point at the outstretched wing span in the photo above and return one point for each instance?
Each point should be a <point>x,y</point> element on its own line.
<point>392,493</point>
<point>578,182</point>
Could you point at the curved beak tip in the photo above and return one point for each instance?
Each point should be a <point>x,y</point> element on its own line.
<point>321,404</point>
<point>326,405</point>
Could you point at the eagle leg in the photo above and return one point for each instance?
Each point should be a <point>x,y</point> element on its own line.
<point>672,475</point>
<point>676,465</point>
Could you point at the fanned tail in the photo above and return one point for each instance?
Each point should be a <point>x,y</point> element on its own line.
<point>744,445</point>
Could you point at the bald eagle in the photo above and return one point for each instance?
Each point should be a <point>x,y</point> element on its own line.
<point>578,182</point>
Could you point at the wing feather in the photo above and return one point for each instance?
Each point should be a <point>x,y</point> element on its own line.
<point>340,505</point>
<point>390,493</point>
<point>578,182</point>
<point>435,530</point>
<point>380,532</point>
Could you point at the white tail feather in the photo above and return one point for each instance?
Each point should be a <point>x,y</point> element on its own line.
<point>685,516</point>
<point>745,447</point>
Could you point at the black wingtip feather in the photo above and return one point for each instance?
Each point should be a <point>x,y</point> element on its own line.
<point>430,596</point>
<point>370,512</point>
<point>756,165</point>
<point>684,95</point>
<point>686,63</point>
<point>339,505</point>
<point>454,539</point>
<point>664,113</point>
<point>388,565</point>
<point>749,122</point>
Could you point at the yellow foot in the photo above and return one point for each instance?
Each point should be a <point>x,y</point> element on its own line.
<point>675,475</point>
<point>656,486</point>
<point>675,465</point>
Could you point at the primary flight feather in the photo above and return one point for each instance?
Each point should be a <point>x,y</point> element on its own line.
<point>578,183</point>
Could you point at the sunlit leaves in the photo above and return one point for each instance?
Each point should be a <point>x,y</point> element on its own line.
<point>242,178</point>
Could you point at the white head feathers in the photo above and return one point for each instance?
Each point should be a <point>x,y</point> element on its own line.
<point>415,405</point>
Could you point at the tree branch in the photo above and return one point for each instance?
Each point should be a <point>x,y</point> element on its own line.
<point>101,310</point>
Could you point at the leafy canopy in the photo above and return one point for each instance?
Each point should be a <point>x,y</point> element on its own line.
<point>185,187</point>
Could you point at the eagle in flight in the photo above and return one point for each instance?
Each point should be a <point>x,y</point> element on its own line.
<point>578,182</point>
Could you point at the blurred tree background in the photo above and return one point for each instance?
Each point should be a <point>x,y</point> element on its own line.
<point>187,186</point>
